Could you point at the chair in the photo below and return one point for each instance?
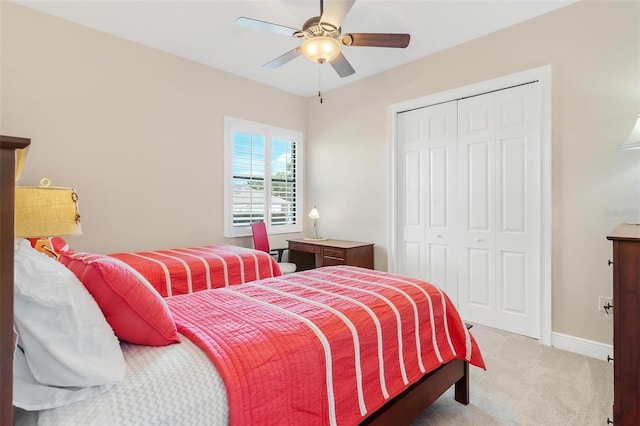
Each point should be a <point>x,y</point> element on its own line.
<point>261,242</point>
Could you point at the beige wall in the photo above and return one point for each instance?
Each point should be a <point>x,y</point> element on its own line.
<point>594,51</point>
<point>139,133</point>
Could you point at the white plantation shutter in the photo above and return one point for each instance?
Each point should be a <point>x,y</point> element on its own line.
<point>262,177</point>
<point>248,201</point>
<point>283,183</point>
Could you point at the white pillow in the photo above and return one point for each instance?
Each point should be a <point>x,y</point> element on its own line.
<point>66,340</point>
<point>30,395</point>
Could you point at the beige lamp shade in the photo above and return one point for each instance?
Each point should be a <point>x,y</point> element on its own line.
<point>45,211</point>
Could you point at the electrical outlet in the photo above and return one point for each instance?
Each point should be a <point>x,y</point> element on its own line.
<point>604,301</point>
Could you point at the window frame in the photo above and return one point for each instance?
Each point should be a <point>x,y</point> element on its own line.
<point>269,132</point>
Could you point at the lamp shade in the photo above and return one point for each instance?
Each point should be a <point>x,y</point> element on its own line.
<point>633,141</point>
<point>321,49</point>
<point>313,214</point>
<point>44,211</point>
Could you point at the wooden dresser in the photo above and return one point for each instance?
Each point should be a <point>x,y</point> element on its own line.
<point>8,147</point>
<point>310,254</point>
<point>626,324</point>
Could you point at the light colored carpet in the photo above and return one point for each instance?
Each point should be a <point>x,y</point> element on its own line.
<point>527,383</point>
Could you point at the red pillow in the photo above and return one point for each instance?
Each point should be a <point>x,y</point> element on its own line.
<point>134,309</point>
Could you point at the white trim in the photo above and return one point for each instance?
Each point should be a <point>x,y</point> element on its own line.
<point>541,74</point>
<point>546,257</point>
<point>392,265</point>
<point>581,346</point>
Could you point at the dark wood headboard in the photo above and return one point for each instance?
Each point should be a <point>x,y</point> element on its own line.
<point>8,147</point>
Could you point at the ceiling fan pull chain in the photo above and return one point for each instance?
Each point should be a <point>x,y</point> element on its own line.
<point>320,82</point>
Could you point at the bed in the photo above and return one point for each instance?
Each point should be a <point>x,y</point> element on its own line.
<point>335,345</point>
<point>188,269</point>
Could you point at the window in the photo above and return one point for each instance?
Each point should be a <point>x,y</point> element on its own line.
<point>262,177</point>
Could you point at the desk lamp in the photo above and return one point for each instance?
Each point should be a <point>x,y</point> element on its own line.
<point>313,214</point>
<point>45,211</point>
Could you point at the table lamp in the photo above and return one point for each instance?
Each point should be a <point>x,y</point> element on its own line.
<point>315,215</point>
<point>43,212</point>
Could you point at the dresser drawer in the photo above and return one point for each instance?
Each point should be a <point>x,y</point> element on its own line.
<point>309,248</point>
<point>334,253</point>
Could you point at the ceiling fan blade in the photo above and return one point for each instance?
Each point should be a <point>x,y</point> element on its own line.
<point>266,26</point>
<point>283,59</point>
<point>342,66</point>
<point>335,11</point>
<point>376,40</point>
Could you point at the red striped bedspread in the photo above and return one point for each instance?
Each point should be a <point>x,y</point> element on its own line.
<point>191,269</point>
<point>325,346</point>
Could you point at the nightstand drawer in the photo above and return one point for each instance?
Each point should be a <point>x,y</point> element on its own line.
<point>334,253</point>
<point>309,248</point>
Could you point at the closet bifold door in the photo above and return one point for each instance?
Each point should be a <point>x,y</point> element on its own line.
<point>427,188</point>
<point>499,219</point>
<point>471,177</point>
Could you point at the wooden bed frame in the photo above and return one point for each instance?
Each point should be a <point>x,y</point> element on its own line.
<point>402,409</point>
<point>8,147</point>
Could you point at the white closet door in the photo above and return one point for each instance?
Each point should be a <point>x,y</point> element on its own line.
<point>500,195</point>
<point>476,152</point>
<point>427,237</point>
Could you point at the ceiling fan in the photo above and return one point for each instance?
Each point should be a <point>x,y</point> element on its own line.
<point>324,39</point>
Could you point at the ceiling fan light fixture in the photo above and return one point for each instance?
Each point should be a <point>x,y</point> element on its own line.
<point>321,49</point>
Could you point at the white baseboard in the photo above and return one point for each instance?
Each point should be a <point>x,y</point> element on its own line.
<point>581,346</point>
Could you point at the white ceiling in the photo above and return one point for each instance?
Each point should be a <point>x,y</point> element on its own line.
<point>205,31</point>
